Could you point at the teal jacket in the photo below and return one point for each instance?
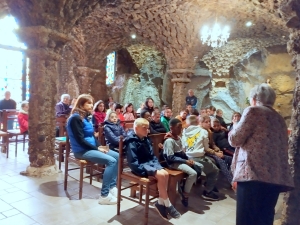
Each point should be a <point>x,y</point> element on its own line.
<point>165,122</point>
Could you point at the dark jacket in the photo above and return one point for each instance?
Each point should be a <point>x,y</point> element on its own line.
<point>191,100</point>
<point>222,122</point>
<point>62,109</point>
<point>7,104</point>
<point>112,133</point>
<point>156,128</point>
<point>81,134</point>
<point>140,156</point>
<point>221,140</point>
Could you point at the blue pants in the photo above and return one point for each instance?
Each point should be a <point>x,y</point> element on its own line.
<point>110,160</point>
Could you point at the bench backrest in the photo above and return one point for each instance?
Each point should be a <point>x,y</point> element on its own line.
<point>101,137</point>
<point>157,139</point>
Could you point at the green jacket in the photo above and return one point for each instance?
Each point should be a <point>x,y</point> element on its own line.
<point>165,122</point>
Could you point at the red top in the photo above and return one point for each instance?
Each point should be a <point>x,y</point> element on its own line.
<point>23,122</point>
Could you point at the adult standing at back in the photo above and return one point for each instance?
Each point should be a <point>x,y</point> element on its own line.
<point>191,99</point>
<point>8,103</point>
<point>63,108</point>
<point>260,165</point>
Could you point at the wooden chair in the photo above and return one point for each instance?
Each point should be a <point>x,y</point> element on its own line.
<point>12,115</point>
<point>4,136</point>
<point>145,185</point>
<point>128,125</point>
<point>95,170</point>
<point>61,144</point>
<point>101,137</point>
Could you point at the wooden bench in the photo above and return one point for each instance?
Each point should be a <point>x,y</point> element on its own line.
<point>61,144</point>
<point>12,115</point>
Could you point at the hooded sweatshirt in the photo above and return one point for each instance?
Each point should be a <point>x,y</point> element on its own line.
<point>173,151</point>
<point>195,141</point>
<point>23,121</point>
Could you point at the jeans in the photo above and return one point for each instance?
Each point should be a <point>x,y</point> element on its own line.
<point>110,160</point>
<point>256,203</point>
<point>211,171</point>
<point>190,180</point>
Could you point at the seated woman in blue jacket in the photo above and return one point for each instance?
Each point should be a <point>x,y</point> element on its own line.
<point>85,146</point>
<point>113,130</point>
<point>143,162</point>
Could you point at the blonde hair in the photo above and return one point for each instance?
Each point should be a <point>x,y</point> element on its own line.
<point>139,122</point>
<point>192,120</point>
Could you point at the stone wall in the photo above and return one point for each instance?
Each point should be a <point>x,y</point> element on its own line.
<point>141,73</point>
<point>257,66</point>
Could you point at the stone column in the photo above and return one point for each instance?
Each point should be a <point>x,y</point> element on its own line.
<point>180,78</point>
<point>43,47</point>
<point>85,76</point>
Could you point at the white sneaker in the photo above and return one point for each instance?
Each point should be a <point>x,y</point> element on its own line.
<point>108,200</point>
<point>114,192</point>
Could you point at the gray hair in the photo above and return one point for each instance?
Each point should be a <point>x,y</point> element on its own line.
<point>263,94</point>
<point>64,96</point>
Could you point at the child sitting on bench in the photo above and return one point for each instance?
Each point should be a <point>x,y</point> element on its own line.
<point>177,159</point>
<point>143,162</point>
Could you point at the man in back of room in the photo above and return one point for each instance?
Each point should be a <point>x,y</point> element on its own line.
<point>191,99</point>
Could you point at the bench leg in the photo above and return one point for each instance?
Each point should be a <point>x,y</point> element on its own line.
<point>66,174</point>
<point>172,192</point>
<point>16,147</point>
<point>80,181</point>
<point>146,204</point>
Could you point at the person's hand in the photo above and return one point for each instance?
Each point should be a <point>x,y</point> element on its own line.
<point>160,145</point>
<point>96,134</point>
<point>219,154</point>
<point>103,149</point>
<point>190,162</point>
<point>224,129</point>
<point>234,186</point>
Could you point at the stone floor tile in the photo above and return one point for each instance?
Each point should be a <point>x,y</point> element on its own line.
<point>2,216</point>
<point>11,212</point>
<point>15,196</point>
<point>18,219</point>
<point>4,206</point>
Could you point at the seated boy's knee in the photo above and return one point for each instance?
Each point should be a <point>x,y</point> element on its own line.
<point>162,173</point>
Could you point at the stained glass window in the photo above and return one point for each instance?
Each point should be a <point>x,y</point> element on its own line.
<point>110,68</point>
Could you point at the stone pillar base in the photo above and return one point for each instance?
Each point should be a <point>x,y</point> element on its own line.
<point>40,171</point>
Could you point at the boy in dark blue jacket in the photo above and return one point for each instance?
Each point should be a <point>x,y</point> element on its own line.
<point>113,130</point>
<point>143,162</point>
<point>177,159</point>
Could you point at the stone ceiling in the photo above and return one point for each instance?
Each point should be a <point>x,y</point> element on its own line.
<point>171,26</point>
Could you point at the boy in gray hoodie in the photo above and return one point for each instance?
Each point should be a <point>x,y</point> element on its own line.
<point>177,159</point>
<point>195,142</point>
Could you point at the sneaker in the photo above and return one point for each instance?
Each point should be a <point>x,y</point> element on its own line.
<point>173,212</point>
<point>108,200</point>
<point>215,189</point>
<point>210,196</point>
<point>161,209</point>
<point>114,192</point>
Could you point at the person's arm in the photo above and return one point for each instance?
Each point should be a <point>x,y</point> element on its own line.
<point>196,101</point>
<point>132,159</point>
<point>152,131</point>
<point>161,129</point>
<point>22,121</point>
<point>77,128</point>
<point>244,128</point>
<point>206,143</point>
<point>169,152</point>
<point>110,136</point>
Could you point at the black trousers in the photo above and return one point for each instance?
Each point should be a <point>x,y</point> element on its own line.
<point>256,203</point>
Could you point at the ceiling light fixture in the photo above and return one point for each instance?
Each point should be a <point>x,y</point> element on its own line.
<point>133,36</point>
<point>249,24</point>
<point>215,36</point>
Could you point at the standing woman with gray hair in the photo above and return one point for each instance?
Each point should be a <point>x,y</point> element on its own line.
<point>260,163</point>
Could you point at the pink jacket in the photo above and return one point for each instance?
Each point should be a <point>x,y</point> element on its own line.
<point>262,148</point>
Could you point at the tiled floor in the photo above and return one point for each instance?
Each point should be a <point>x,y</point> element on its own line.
<point>27,201</point>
